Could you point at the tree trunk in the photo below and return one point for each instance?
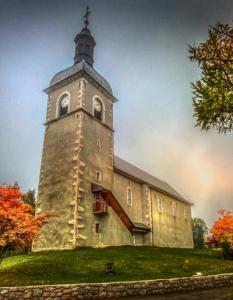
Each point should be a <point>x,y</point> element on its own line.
<point>2,252</point>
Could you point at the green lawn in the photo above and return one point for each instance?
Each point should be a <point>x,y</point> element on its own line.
<point>87,265</point>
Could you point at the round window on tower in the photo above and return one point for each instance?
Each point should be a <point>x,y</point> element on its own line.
<point>64,105</point>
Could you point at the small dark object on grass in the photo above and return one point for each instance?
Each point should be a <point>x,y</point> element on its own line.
<point>109,268</point>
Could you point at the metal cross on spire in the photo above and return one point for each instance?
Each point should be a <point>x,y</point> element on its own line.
<point>88,12</point>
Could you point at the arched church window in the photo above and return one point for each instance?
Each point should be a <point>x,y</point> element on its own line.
<point>64,105</point>
<point>98,109</point>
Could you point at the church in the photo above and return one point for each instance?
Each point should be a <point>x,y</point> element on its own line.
<point>93,197</point>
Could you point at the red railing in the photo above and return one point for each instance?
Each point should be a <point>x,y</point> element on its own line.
<point>100,207</point>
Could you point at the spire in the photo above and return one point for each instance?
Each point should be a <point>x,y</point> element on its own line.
<point>85,43</point>
<point>88,12</point>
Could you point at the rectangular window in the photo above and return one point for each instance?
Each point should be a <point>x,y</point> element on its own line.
<point>129,196</point>
<point>98,176</point>
<point>160,203</point>
<point>98,228</point>
<point>174,206</point>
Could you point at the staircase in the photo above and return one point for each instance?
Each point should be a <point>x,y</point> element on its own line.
<point>114,204</point>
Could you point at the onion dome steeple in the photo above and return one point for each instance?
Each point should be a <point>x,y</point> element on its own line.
<point>85,43</point>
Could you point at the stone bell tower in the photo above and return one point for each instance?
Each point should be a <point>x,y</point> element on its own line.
<point>77,150</point>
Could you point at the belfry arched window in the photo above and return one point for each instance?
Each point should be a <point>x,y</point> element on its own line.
<point>98,109</point>
<point>64,105</point>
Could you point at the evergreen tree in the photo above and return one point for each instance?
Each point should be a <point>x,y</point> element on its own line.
<point>30,198</point>
<point>199,229</point>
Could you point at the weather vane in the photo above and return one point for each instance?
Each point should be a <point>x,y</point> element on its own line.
<point>88,12</point>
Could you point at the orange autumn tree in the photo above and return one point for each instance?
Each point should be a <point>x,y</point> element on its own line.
<point>222,232</point>
<point>18,226</point>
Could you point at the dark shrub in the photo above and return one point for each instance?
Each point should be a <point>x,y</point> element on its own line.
<point>227,252</point>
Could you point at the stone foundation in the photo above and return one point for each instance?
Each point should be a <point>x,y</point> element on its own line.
<point>115,289</point>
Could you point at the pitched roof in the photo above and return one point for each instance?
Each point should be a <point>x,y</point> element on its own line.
<point>62,75</point>
<point>126,168</point>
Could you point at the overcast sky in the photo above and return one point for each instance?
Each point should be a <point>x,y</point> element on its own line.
<point>142,51</point>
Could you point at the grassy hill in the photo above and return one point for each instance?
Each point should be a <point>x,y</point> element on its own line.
<point>87,265</point>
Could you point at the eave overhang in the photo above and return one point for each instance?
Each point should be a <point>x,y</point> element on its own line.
<point>77,75</point>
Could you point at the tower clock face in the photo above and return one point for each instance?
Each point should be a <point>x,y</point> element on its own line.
<point>65,101</point>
